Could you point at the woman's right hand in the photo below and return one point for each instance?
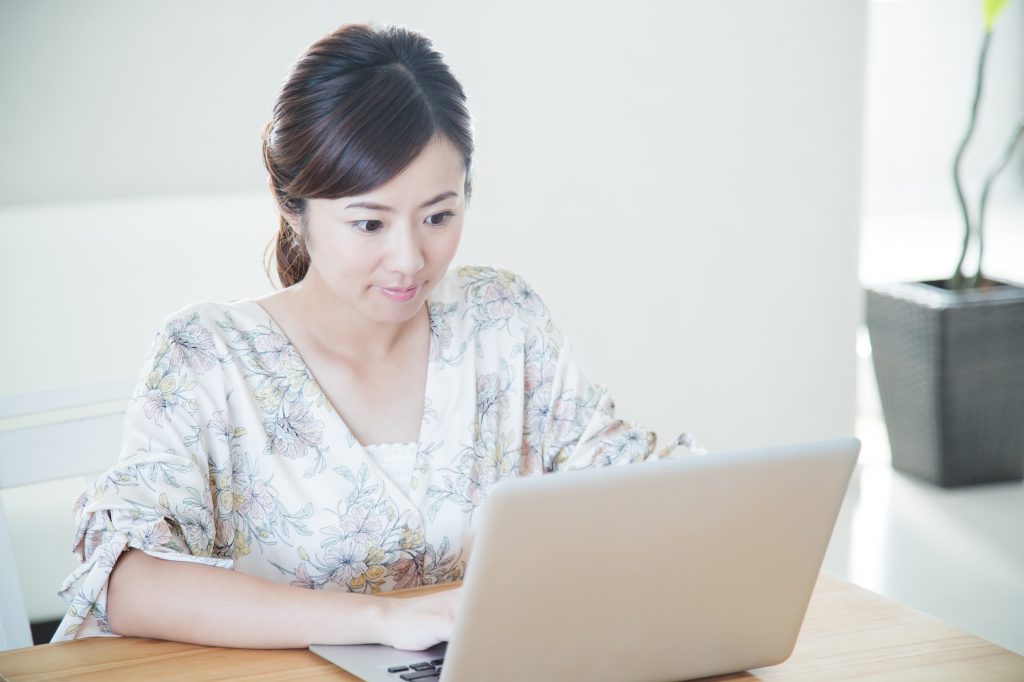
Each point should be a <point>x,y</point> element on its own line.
<point>417,623</point>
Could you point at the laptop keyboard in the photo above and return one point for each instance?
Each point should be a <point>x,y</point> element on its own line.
<point>421,672</point>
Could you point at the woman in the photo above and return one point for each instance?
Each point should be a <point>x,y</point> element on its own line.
<point>338,434</point>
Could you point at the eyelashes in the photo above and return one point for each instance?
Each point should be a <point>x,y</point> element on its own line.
<point>358,223</point>
<point>447,215</point>
<point>364,226</point>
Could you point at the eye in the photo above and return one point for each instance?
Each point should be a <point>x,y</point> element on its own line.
<point>368,226</point>
<point>444,215</point>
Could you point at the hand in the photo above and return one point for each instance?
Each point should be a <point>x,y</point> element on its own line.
<point>419,623</point>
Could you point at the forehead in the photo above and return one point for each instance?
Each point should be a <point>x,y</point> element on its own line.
<point>437,168</point>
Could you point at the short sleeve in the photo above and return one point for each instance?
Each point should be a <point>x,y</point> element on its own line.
<point>571,421</point>
<point>157,497</point>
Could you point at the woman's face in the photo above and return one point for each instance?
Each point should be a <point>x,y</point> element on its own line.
<point>383,257</point>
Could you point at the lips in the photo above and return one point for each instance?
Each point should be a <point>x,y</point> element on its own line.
<point>405,294</point>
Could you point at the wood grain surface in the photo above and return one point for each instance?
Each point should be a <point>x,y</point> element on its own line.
<point>849,633</point>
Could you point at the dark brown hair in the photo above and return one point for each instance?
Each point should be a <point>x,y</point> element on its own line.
<point>358,106</point>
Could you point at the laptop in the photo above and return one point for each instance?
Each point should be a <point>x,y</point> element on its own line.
<point>673,569</point>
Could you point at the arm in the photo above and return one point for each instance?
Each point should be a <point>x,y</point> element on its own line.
<point>571,421</point>
<point>171,495</point>
<point>583,430</point>
<point>189,602</point>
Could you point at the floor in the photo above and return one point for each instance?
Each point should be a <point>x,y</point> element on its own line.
<point>956,554</point>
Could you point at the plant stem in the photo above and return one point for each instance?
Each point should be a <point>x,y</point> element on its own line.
<point>957,280</point>
<point>1011,145</point>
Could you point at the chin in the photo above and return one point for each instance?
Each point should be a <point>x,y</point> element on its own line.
<point>399,312</point>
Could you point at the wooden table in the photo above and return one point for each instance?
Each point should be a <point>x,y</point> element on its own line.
<point>849,634</point>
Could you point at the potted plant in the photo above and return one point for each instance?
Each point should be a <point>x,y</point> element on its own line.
<point>949,354</point>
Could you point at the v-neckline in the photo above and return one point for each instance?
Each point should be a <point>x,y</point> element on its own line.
<point>428,380</point>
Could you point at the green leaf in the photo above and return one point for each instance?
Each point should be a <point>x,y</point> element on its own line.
<point>991,10</point>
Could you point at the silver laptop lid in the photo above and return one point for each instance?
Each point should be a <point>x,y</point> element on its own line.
<point>664,570</point>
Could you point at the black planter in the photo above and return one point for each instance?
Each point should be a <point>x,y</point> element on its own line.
<point>950,371</point>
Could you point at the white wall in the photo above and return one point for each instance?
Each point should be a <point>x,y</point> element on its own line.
<point>680,182</point>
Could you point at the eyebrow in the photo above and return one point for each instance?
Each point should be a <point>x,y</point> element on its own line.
<point>378,207</point>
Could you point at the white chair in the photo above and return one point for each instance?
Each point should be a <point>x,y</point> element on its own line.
<point>45,437</point>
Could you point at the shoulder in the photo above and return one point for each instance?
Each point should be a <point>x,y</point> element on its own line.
<point>196,335</point>
<point>486,291</point>
<point>493,301</point>
<point>207,317</point>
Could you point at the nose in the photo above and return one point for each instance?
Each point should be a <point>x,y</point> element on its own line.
<point>405,252</point>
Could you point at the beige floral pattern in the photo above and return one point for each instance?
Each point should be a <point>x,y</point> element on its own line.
<point>234,458</point>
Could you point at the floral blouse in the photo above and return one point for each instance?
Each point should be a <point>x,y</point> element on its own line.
<point>232,456</point>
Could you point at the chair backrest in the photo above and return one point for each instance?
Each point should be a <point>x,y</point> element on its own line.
<point>45,437</point>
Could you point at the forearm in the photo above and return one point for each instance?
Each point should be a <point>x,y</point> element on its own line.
<point>189,602</point>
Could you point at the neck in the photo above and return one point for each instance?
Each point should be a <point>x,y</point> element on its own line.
<point>340,331</point>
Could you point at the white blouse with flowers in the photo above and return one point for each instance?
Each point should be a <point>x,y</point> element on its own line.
<point>233,457</point>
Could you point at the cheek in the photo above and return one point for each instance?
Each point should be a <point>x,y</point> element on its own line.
<point>339,255</point>
<point>447,242</point>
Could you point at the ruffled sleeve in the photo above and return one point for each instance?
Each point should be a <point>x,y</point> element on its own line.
<point>157,498</point>
<point>571,421</point>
